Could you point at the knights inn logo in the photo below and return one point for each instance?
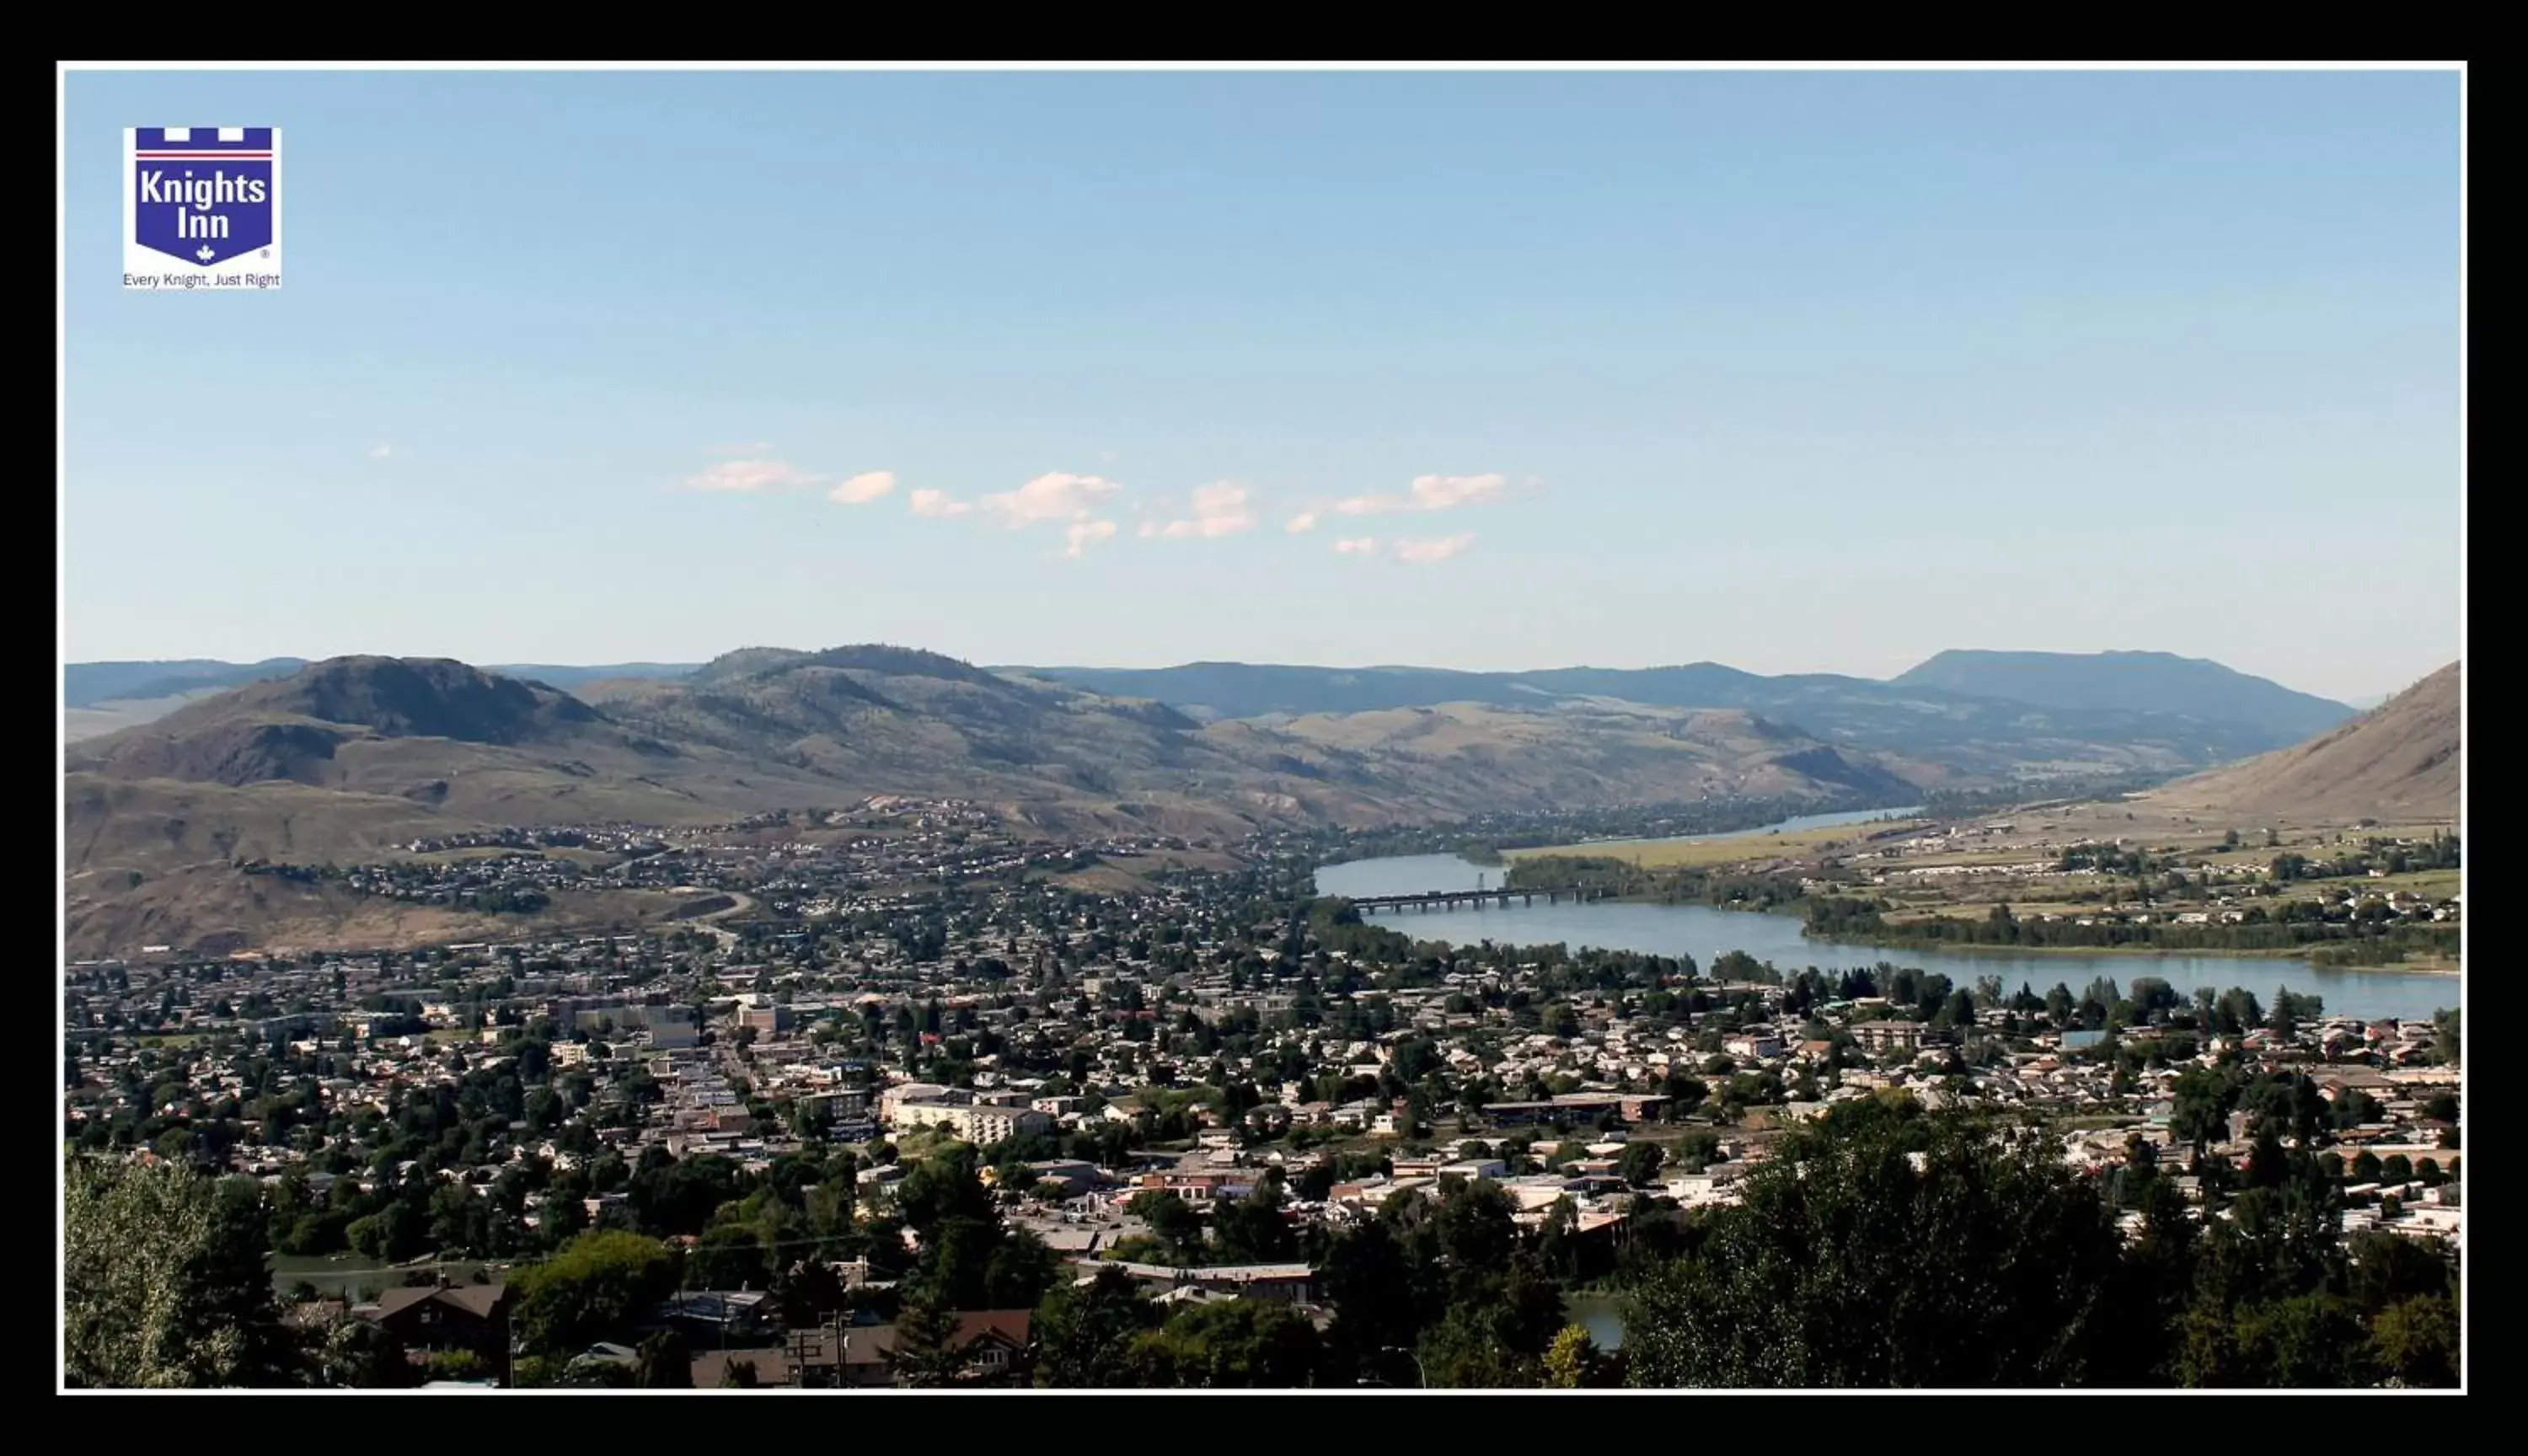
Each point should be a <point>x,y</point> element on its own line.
<point>201,208</point>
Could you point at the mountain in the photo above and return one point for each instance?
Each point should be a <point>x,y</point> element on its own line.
<point>1588,752</point>
<point>2148,682</point>
<point>895,719</point>
<point>1960,720</point>
<point>156,861</point>
<point>572,679</point>
<point>477,745</point>
<point>348,759</point>
<point>88,684</point>
<point>1932,736</point>
<point>2398,762</point>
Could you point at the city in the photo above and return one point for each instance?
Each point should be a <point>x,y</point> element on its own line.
<point>1199,1095</point>
<point>1378,729</point>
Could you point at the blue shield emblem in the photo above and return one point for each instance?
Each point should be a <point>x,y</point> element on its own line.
<point>204,194</point>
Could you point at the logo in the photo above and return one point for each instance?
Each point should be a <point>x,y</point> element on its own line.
<point>201,208</point>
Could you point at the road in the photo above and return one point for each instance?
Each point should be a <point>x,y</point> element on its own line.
<point>710,922</point>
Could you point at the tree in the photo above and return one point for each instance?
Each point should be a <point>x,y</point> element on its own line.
<point>348,1353</point>
<point>591,1288</point>
<point>1018,1271</point>
<point>928,1352</point>
<point>1235,1343</point>
<point>1375,1287</point>
<point>1086,1332</point>
<point>1638,1163</point>
<point>1171,1219</point>
<point>663,1362</point>
<point>1251,1230</point>
<point>2308,1341</point>
<point>163,1283</point>
<point>729,1256</point>
<point>391,1235</point>
<point>2202,1107</point>
<point>1571,1361</point>
<point>1848,1266</point>
<point>2417,1341</point>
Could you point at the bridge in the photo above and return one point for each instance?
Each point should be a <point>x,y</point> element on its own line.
<point>1479,898</point>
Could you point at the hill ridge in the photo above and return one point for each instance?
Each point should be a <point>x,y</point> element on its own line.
<point>2401,759</point>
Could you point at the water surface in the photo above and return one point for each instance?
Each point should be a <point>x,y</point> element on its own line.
<point>1601,1314</point>
<point>1706,933</point>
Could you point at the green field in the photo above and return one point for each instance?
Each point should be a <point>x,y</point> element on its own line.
<point>1697,853</point>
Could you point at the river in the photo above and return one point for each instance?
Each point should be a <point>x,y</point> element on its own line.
<point>1601,1314</point>
<point>1707,933</point>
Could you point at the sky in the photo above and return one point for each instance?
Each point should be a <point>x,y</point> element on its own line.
<point>1796,372</point>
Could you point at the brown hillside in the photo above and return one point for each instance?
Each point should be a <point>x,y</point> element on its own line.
<point>2397,762</point>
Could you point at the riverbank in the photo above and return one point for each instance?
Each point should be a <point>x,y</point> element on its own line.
<point>1656,926</point>
<point>2418,965</point>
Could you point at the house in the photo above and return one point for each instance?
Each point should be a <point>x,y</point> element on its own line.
<point>1575,1108</point>
<point>1890,1036</point>
<point>767,1020</point>
<point>994,1343</point>
<point>977,1124</point>
<point>1074,1176</point>
<point>713,1313</point>
<point>446,1317</point>
<point>1290,1284</point>
<point>760,1368</point>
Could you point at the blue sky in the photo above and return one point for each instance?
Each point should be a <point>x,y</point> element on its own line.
<point>1795,372</point>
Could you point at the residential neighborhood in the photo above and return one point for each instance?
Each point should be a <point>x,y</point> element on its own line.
<point>1201,1089</point>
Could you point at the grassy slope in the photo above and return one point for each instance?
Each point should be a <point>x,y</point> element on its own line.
<point>2397,761</point>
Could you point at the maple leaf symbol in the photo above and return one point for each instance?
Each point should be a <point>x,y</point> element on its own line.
<point>205,253</point>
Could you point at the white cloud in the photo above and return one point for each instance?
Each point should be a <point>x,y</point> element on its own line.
<point>1148,530</point>
<point>750,475</point>
<point>937,503</point>
<point>1081,533</point>
<point>1357,545</point>
<point>1434,549</point>
<point>1429,492</point>
<point>381,452</point>
<point>1219,510</point>
<point>862,488</point>
<point>1058,496</point>
<point>1305,520</point>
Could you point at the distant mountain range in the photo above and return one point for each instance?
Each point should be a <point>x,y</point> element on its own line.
<point>349,759</point>
<point>86,685</point>
<point>2162,682</point>
<point>1960,717</point>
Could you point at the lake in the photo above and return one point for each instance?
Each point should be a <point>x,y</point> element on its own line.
<point>1706,933</point>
